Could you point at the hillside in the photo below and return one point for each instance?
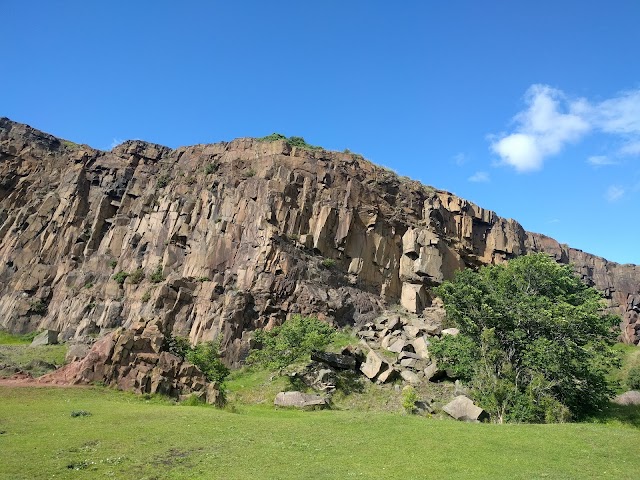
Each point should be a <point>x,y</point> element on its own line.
<point>226,238</point>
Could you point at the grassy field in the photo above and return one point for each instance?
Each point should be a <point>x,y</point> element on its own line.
<point>16,352</point>
<point>129,437</point>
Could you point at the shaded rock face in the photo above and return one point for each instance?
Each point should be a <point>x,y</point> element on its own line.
<point>135,360</point>
<point>239,234</point>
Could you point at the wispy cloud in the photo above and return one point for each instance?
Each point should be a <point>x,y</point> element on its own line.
<point>614,192</point>
<point>114,143</point>
<point>479,177</point>
<point>601,161</point>
<point>552,120</point>
<point>459,159</point>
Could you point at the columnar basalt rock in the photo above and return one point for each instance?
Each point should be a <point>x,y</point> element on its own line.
<point>243,234</point>
<point>137,360</point>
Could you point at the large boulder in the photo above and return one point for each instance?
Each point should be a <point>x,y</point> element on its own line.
<point>335,360</point>
<point>632,397</point>
<point>462,408</point>
<point>48,337</point>
<point>373,365</point>
<point>299,400</point>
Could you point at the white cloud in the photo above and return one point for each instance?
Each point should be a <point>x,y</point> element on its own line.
<point>601,161</point>
<point>551,121</point>
<point>631,148</point>
<point>614,192</point>
<point>543,129</point>
<point>619,115</point>
<point>459,159</point>
<point>114,143</point>
<point>479,177</point>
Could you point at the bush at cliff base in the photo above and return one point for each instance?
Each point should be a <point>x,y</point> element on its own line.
<point>535,344</point>
<point>292,341</point>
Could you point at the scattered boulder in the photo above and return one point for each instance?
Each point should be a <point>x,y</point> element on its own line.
<point>335,360</point>
<point>373,365</point>
<point>409,376</point>
<point>48,337</point>
<point>388,375</point>
<point>450,331</point>
<point>462,408</point>
<point>299,400</point>
<point>433,374</point>
<point>632,397</point>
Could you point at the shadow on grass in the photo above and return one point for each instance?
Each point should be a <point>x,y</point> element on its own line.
<point>619,414</point>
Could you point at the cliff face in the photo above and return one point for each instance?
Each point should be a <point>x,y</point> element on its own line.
<point>239,235</point>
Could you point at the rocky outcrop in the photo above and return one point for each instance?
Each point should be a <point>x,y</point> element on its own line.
<point>137,360</point>
<point>219,240</point>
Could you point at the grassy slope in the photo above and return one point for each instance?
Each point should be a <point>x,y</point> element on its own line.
<point>127,437</point>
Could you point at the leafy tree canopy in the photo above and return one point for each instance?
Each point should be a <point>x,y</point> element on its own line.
<point>534,343</point>
<point>295,339</point>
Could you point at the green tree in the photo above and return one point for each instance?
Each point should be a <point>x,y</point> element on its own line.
<point>536,337</point>
<point>295,339</point>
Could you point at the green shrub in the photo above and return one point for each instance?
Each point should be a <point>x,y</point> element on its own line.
<point>293,341</point>
<point>328,263</point>
<point>633,378</point>
<point>203,279</point>
<point>210,168</point>
<point>206,356</point>
<point>250,173</point>
<point>273,137</point>
<point>409,399</point>
<point>113,263</point>
<point>137,276</point>
<point>540,346</point>
<point>299,142</point>
<point>163,181</point>
<point>193,401</point>
<point>157,276</point>
<point>38,307</point>
<point>120,277</point>
<point>146,296</point>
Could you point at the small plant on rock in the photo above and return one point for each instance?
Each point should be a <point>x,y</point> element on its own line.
<point>210,168</point>
<point>137,276</point>
<point>120,277</point>
<point>328,263</point>
<point>38,307</point>
<point>157,276</point>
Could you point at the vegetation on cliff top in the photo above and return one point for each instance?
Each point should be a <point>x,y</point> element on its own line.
<point>292,141</point>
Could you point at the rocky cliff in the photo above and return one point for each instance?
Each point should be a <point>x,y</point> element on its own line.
<point>222,239</point>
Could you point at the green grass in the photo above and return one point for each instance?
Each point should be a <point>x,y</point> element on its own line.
<point>7,338</point>
<point>30,359</point>
<point>129,437</point>
<point>630,356</point>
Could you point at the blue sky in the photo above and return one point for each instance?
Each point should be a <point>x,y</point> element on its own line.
<point>528,108</point>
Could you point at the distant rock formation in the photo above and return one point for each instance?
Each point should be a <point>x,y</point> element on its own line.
<point>227,238</point>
